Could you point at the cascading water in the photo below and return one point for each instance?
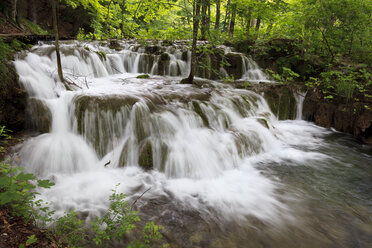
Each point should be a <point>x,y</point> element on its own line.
<point>219,163</point>
<point>300,97</point>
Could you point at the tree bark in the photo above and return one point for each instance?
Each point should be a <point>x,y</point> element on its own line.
<point>227,16</point>
<point>107,25</point>
<point>325,40</point>
<point>14,10</point>
<point>204,22</point>
<point>249,17</point>
<point>196,18</point>
<point>122,20</point>
<point>218,15</point>
<point>31,11</point>
<point>209,16</point>
<point>232,21</point>
<point>258,23</point>
<point>55,27</point>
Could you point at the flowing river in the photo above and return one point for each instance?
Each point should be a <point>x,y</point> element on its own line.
<point>221,169</point>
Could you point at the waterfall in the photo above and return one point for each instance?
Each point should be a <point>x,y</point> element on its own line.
<point>251,71</point>
<point>300,97</point>
<point>201,147</point>
<point>218,167</point>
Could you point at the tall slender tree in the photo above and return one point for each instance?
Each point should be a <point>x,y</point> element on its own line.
<point>55,27</point>
<point>232,21</point>
<point>196,18</point>
<point>204,19</point>
<point>218,15</point>
<point>31,11</point>
<point>14,10</point>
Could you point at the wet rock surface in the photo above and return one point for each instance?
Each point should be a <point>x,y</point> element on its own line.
<point>13,99</point>
<point>349,117</point>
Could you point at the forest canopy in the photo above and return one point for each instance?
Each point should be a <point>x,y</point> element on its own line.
<point>330,28</point>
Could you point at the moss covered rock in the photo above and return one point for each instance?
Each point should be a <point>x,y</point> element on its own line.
<point>143,76</point>
<point>200,112</point>
<point>39,116</point>
<point>145,159</point>
<point>281,101</point>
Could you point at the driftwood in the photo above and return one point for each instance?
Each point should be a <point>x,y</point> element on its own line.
<point>139,198</point>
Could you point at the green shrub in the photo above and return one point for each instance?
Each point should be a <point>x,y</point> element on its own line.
<point>119,220</point>
<point>70,229</point>
<point>17,192</point>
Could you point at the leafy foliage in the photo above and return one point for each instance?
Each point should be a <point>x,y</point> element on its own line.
<point>119,220</point>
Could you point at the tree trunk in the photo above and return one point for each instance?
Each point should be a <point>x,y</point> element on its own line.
<point>204,19</point>
<point>227,16</point>
<point>31,11</point>
<point>232,21</point>
<point>55,27</point>
<point>14,10</point>
<point>258,23</point>
<point>106,23</point>
<point>122,20</point>
<point>218,14</point>
<point>196,18</point>
<point>325,40</point>
<point>209,16</point>
<point>249,17</point>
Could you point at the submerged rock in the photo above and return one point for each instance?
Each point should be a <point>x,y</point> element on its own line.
<point>200,112</point>
<point>40,117</point>
<point>281,101</point>
<point>144,76</point>
<point>263,122</point>
<point>95,115</point>
<point>145,159</point>
<point>152,49</point>
<point>235,65</point>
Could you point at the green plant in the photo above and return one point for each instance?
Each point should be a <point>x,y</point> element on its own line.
<point>119,220</point>
<point>34,28</point>
<point>17,192</point>
<point>4,137</point>
<point>70,229</point>
<point>274,75</point>
<point>30,240</point>
<point>151,232</point>
<point>81,36</point>
<point>288,75</point>
<point>228,79</point>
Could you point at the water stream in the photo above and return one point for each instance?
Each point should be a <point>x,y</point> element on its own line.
<point>223,170</point>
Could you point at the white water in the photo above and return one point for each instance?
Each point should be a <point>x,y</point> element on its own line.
<point>300,97</point>
<point>216,169</point>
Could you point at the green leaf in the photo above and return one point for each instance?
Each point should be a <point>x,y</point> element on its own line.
<point>25,177</point>
<point>32,239</point>
<point>45,184</point>
<point>9,197</point>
